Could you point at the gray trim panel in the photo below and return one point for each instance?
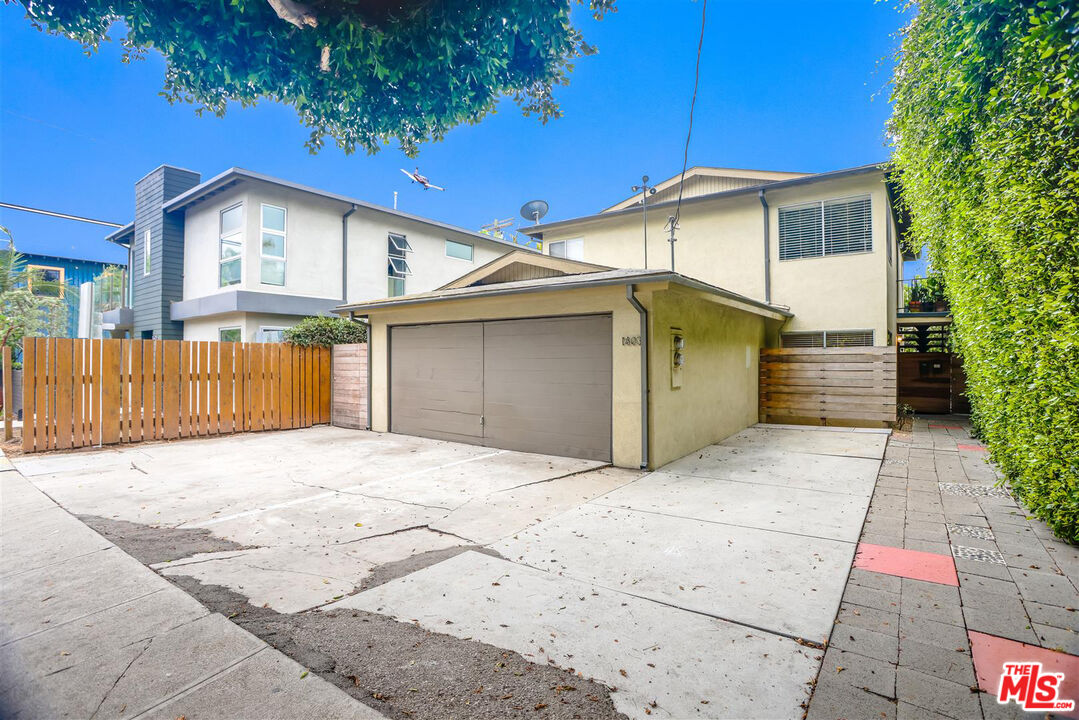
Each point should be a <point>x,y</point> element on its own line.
<point>254,302</point>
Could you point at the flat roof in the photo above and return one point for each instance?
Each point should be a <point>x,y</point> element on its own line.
<point>235,175</point>
<point>536,230</point>
<point>563,282</point>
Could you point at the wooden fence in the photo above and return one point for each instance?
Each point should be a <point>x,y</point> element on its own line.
<point>350,386</point>
<point>100,392</point>
<point>853,386</point>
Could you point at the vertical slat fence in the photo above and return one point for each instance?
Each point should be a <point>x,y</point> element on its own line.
<point>78,393</point>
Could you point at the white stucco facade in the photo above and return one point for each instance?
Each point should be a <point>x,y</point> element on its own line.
<point>315,257</point>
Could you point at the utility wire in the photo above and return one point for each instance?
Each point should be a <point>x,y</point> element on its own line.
<point>64,216</point>
<point>692,105</point>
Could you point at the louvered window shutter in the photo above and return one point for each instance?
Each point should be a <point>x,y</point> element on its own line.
<point>848,226</point>
<point>800,232</point>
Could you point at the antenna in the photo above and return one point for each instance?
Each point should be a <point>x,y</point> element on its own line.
<point>534,210</point>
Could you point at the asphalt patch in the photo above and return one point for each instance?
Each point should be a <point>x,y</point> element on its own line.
<point>400,669</point>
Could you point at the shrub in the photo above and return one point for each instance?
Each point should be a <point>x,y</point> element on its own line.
<point>324,331</point>
<point>986,128</point>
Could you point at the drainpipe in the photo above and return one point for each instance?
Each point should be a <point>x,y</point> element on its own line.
<point>767,250</point>
<point>344,253</point>
<point>644,372</point>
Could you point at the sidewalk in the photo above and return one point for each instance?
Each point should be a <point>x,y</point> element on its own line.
<point>87,631</point>
<point>952,579</point>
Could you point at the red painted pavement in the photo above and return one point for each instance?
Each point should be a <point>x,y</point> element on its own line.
<point>971,448</point>
<point>913,564</point>
<point>991,652</point>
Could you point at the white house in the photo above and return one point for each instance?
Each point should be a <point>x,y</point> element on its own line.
<point>243,255</point>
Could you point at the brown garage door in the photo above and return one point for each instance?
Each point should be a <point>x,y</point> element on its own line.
<point>539,385</point>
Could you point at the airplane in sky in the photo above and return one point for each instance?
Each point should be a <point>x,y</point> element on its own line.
<point>421,179</point>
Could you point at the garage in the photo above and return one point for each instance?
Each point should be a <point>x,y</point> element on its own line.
<point>535,385</point>
<point>530,353</point>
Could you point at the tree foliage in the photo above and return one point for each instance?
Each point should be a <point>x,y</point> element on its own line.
<point>23,312</point>
<point>362,72</point>
<point>985,126</point>
<point>325,331</point>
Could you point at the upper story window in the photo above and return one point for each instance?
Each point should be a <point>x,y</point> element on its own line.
<point>273,245</point>
<point>829,227</point>
<point>232,245</point>
<point>147,248</point>
<point>460,250</point>
<point>569,249</point>
<point>398,269</point>
<point>50,280</point>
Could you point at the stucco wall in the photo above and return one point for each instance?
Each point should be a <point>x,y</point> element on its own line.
<point>208,328</point>
<point>718,393</point>
<point>313,247</point>
<point>721,242</point>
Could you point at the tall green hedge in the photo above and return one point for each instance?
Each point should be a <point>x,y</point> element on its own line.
<point>325,331</point>
<point>986,104</point>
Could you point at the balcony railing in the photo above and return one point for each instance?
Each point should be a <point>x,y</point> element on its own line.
<point>922,296</point>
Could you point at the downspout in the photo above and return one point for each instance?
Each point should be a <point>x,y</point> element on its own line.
<point>344,253</point>
<point>767,250</point>
<point>644,372</point>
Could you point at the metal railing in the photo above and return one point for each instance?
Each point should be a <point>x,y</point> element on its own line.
<point>922,295</point>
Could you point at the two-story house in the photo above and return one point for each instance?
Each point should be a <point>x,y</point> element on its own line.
<point>823,245</point>
<point>609,347</point>
<point>242,256</point>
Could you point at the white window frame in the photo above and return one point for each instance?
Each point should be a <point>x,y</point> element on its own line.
<point>274,328</point>
<point>222,238</point>
<point>566,245</point>
<point>471,250</point>
<point>283,234</point>
<point>400,266</point>
<point>400,242</point>
<point>823,226</point>
<point>147,256</point>
<point>230,327</point>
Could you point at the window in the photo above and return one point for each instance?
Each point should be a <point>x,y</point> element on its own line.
<point>273,245</point>
<point>230,258</point>
<point>569,249</point>
<point>396,248</point>
<point>147,249</point>
<point>458,250</point>
<point>830,227</point>
<point>828,338</point>
<point>230,334</point>
<point>54,276</point>
<point>271,334</point>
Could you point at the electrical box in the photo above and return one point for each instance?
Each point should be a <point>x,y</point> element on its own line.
<point>678,357</point>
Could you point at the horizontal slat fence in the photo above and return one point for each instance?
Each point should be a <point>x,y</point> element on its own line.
<point>350,386</point>
<point>102,392</point>
<point>828,386</point>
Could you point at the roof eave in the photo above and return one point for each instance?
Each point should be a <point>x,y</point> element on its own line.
<point>535,230</point>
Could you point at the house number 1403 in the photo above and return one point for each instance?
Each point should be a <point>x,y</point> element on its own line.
<point>631,339</point>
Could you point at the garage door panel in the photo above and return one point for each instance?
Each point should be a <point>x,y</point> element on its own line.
<point>547,386</point>
<point>436,381</point>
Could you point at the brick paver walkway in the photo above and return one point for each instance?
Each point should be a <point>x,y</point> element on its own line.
<point>901,647</point>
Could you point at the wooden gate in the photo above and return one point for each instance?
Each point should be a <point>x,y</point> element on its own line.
<point>100,392</point>
<point>851,386</point>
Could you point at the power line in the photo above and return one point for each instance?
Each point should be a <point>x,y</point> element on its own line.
<point>689,134</point>
<point>63,216</point>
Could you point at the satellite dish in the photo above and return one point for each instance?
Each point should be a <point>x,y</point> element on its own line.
<point>534,210</point>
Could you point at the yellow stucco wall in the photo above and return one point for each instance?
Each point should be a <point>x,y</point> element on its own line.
<point>721,242</point>
<point>719,392</point>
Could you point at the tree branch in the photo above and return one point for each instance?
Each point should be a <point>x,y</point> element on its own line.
<point>296,13</point>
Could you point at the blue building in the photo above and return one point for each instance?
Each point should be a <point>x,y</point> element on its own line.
<point>72,272</point>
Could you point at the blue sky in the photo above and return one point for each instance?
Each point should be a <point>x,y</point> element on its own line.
<point>785,85</point>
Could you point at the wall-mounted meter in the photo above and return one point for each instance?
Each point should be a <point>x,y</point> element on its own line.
<point>678,357</point>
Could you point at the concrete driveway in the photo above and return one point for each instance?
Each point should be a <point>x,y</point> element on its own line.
<point>700,590</point>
